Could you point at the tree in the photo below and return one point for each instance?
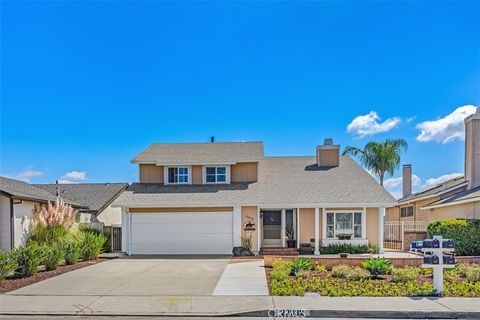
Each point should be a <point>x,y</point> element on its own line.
<point>379,157</point>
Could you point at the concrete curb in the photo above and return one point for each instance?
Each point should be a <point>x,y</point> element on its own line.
<point>353,314</point>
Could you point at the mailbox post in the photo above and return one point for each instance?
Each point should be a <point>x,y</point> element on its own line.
<point>437,260</point>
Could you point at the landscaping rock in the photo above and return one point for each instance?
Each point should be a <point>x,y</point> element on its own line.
<point>241,252</point>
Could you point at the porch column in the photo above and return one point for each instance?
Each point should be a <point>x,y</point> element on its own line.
<point>298,228</point>
<point>381,215</point>
<point>317,231</point>
<point>259,230</point>
<point>237,226</point>
<point>283,225</point>
<point>364,223</point>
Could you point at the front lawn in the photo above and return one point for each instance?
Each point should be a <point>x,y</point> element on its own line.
<point>376,279</point>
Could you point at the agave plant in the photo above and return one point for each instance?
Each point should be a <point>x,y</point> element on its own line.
<point>377,266</point>
<point>7,265</point>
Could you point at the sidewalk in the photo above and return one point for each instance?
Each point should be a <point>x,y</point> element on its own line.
<point>253,306</point>
<point>243,278</point>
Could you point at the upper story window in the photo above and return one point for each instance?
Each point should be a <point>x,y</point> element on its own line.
<point>178,175</point>
<point>406,211</point>
<point>216,174</point>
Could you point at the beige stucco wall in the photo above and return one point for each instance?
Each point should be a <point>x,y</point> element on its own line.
<point>244,172</point>
<point>150,173</point>
<point>23,215</point>
<point>197,175</point>
<point>372,225</point>
<point>110,215</point>
<point>249,214</point>
<point>467,210</point>
<point>392,214</point>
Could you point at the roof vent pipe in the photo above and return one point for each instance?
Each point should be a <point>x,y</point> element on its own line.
<point>212,139</point>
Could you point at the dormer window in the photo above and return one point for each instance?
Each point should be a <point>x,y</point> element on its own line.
<point>178,175</point>
<point>216,174</point>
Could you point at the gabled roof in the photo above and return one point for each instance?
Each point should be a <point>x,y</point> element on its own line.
<point>201,153</point>
<point>449,185</point>
<point>94,196</point>
<point>24,191</point>
<point>283,181</point>
<point>458,198</point>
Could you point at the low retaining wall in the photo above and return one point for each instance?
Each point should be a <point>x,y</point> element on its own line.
<point>329,262</point>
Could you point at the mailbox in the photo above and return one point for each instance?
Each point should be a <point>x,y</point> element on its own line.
<point>448,259</point>
<point>448,243</point>
<point>427,243</point>
<point>435,243</point>
<point>431,259</point>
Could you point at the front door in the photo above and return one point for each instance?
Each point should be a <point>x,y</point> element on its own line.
<point>272,228</point>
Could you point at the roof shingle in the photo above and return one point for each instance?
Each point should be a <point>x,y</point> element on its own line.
<point>23,190</point>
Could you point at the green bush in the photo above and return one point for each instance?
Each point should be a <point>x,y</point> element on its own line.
<point>341,271</point>
<point>358,273</point>
<point>279,274</point>
<point>377,266</point>
<point>337,248</point>
<point>28,259</point>
<point>54,256</point>
<point>465,233</point>
<point>405,274</point>
<point>281,265</point>
<point>7,265</point>
<point>48,234</point>
<point>91,244</point>
<point>469,271</point>
<point>71,250</point>
<point>321,268</point>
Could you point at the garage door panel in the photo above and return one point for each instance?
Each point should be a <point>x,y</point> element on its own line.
<point>182,233</point>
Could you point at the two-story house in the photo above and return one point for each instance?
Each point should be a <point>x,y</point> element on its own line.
<point>202,198</point>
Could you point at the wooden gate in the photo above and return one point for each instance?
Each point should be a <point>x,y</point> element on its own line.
<point>116,237</point>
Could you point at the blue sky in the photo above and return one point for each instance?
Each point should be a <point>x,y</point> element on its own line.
<point>85,86</point>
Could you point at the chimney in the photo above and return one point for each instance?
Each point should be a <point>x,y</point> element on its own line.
<point>472,150</point>
<point>407,179</point>
<point>328,154</point>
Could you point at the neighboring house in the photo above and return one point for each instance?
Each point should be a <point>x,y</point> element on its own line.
<point>197,198</point>
<point>456,198</point>
<point>17,199</point>
<point>95,198</point>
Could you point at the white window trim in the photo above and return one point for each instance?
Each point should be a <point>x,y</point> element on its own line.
<point>227,174</point>
<point>165,175</point>
<point>363,224</point>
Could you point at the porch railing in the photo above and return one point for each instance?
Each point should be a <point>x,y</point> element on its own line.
<point>394,232</point>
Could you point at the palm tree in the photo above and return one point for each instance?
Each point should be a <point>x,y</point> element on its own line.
<point>379,157</point>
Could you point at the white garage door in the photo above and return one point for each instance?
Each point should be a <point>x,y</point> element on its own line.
<point>182,233</point>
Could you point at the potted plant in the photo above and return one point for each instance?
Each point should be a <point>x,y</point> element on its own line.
<point>290,233</point>
<point>344,236</point>
<point>343,255</point>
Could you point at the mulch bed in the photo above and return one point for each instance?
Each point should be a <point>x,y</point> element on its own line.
<point>11,284</point>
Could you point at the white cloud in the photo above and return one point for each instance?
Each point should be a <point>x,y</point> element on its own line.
<point>410,119</point>
<point>394,185</point>
<point>368,124</point>
<point>26,175</point>
<point>446,129</point>
<point>65,181</point>
<point>74,176</point>
<point>434,181</point>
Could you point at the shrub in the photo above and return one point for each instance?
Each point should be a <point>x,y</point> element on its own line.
<point>377,266</point>
<point>72,251</point>
<point>337,248</point>
<point>321,268</point>
<point>279,274</point>
<point>281,265</point>
<point>7,265</point>
<point>28,259</point>
<point>465,233</point>
<point>373,249</point>
<point>91,245</point>
<point>51,223</point>
<point>405,274</point>
<point>300,264</point>
<point>341,271</point>
<point>470,271</point>
<point>358,273</point>
<point>54,256</point>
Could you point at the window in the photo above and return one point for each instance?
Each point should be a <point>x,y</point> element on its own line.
<point>406,211</point>
<point>216,174</point>
<point>178,175</point>
<point>344,223</point>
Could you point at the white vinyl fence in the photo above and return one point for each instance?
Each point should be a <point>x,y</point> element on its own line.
<point>394,232</point>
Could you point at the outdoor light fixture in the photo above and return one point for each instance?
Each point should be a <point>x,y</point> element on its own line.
<point>249,226</point>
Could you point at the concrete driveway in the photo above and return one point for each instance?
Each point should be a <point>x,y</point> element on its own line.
<point>136,277</point>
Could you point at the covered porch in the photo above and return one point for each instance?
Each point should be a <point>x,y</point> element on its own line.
<point>318,227</point>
